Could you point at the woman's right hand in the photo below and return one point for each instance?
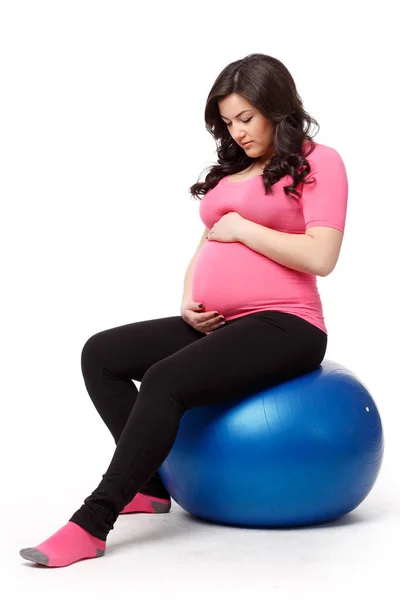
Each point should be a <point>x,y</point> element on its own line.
<point>195,316</point>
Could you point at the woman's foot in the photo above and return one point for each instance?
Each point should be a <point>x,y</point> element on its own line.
<point>143,503</point>
<point>68,545</point>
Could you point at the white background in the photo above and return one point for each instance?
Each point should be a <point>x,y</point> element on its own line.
<point>102,134</point>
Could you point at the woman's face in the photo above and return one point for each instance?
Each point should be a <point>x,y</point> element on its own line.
<point>246,124</point>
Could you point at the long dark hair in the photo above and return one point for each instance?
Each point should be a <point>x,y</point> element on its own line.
<point>266,83</point>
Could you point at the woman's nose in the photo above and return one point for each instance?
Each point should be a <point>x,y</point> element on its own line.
<point>239,136</point>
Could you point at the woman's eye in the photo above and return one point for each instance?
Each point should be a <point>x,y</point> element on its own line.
<point>227,124</point>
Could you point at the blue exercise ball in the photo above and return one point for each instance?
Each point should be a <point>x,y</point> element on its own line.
<point>303,452</point>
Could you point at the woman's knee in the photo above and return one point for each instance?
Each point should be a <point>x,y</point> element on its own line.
<point>92,354</point>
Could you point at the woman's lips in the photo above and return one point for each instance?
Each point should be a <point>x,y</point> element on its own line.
<point>246,145</point>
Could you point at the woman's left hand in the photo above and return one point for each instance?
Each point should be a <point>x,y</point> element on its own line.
<point>227,229</point>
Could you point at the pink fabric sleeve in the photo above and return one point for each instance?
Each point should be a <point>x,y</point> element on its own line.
<point>324,202</point>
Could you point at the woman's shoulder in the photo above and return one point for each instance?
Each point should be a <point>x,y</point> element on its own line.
<point>323,155</point>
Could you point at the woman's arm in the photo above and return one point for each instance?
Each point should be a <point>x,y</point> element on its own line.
<point>315,251</point>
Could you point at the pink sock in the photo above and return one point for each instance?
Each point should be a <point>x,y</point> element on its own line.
<point>147,504</point>
<point>66,546</point>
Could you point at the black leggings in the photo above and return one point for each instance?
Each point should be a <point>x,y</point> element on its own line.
<point>179,368</point>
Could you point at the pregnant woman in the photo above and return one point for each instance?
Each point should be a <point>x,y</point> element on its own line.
<point>274,210</point>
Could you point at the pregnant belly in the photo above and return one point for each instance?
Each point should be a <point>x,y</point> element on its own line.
<point>231,278</point>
